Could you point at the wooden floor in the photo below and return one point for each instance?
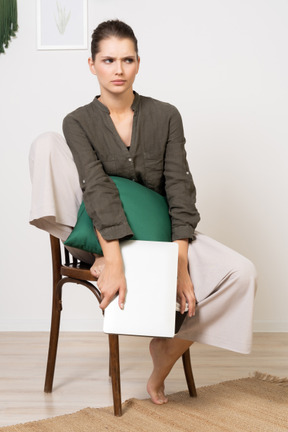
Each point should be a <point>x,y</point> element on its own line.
<point>81,377</point>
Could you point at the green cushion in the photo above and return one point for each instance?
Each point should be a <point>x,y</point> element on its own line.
<point>146,211</point>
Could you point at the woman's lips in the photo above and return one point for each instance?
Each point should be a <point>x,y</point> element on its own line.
<point>118,82</point>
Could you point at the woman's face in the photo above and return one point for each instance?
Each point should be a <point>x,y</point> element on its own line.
<point>116,65</point>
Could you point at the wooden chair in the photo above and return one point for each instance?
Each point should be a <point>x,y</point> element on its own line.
<point>77,272</point>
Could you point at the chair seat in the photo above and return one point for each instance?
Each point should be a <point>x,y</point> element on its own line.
<point>79,271</point>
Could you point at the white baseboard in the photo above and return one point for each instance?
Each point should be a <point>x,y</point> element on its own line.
<point>31,325</point>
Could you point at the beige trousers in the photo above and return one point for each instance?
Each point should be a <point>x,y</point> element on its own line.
<point>224,281</point>
<point>56,193</point>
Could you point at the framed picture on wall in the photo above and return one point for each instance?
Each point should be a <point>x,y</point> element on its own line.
<point>61,24</point>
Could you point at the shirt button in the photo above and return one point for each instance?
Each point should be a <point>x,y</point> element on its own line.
<point>130,159</point>
<point>83,181</point>
<point>187,172</point>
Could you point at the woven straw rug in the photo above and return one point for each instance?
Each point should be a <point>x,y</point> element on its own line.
<point>245,405</point>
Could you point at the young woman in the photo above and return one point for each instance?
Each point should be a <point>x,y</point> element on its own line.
<point>124,134</point>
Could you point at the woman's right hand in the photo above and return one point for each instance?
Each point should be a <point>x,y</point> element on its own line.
<point>112,282</point>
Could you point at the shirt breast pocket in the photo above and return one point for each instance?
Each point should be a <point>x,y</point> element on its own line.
<point>109,166</point>
<point>154,167</point>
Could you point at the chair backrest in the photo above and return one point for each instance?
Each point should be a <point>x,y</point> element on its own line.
<point>62,257</point>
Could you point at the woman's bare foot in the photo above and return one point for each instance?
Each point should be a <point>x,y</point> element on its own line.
<point>155,385</point>
<point>164,353</point>
<point>98,266</point>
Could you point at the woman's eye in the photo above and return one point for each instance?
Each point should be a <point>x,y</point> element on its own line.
<point>108,61</point>
<point>129,60</point>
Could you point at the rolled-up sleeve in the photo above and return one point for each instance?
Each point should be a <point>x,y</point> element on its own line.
<point>100,195</point>
<point>179,185</point>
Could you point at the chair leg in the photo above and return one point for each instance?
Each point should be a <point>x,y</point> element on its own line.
<point>114,371</point>
<point>188,373</point>
<point>54,336</point>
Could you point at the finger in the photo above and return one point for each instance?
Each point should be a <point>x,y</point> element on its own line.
<point>182,304</point>
<point>191,306</point>
<point>103,304</point>
<point>95,272</point>
<point>122,295</point>
<point>106,300</point>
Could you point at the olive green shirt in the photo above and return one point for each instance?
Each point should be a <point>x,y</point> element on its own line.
<point>156,159</point>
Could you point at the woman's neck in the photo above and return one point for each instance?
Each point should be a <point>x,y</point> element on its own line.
<point>117,103</point>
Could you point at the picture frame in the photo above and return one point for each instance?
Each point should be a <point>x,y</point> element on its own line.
<point>62,24</point>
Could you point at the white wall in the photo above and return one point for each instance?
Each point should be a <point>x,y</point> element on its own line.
<point>223,63</point>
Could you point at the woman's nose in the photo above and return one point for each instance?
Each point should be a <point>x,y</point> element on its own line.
<point>119,69</point>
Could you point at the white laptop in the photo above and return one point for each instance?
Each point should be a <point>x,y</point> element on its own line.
<point>151,276</point>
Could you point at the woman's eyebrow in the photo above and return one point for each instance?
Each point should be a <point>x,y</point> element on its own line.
<point>124,57</point>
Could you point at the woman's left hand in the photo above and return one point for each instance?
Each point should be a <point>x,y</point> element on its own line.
<point>185,288</point>
<point>185,291</point>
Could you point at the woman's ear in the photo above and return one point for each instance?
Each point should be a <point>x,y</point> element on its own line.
<point>91,66</point>
<point>138,59</point>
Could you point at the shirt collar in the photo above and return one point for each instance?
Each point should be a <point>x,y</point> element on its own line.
<point>104,108</point>
<point>136,101</point>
